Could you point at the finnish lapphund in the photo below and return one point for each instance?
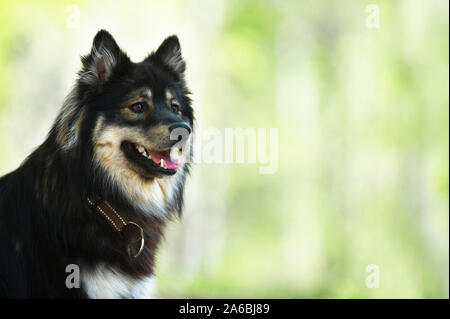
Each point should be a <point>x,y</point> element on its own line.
<point>83,215</point>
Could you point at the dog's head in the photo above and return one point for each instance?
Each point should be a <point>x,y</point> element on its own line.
<point>134,120</point>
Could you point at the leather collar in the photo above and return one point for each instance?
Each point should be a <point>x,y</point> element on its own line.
<point>131,231</point>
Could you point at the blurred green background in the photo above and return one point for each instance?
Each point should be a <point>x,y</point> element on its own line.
<point>363,120</point>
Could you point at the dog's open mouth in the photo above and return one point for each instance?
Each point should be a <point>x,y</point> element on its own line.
<point>155,160</point>
<point>162,158</point>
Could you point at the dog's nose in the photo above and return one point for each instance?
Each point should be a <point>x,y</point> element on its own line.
<point>179,132</point>
<point>180,125</point>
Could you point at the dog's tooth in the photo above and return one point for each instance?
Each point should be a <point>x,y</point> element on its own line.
<point>141,149</point>
<point>162,162</point>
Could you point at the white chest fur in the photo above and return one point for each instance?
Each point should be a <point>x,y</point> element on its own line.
<point>109,283</point>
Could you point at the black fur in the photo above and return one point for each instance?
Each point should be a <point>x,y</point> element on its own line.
<point>45,222</point>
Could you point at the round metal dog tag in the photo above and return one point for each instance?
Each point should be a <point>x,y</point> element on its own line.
<point>134,235</point>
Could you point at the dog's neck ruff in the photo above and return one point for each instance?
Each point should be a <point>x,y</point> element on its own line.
<point>126,228</point>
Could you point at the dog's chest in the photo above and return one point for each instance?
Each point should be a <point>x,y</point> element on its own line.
<point>109,283</point>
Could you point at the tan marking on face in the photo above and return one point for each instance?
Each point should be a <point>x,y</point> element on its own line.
<point>171,99</point>
<point>169,95</point>
<point>148,195</point>
<point>136,96</point>
<point>160,137</point>
<point>144,193</point>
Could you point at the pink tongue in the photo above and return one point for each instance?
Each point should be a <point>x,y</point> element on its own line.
<point>170,164</point>
<point>157,156</point>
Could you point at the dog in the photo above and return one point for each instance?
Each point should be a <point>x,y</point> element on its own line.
<point>83,215</point>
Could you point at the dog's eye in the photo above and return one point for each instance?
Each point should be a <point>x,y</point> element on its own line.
<point>137,107</point>
<point>175,108</point>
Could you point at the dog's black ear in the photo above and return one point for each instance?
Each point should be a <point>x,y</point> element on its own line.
<point>105,55</point>
<point>169,54</point>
